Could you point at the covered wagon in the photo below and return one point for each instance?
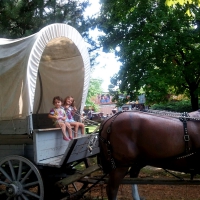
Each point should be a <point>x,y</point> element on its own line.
<point>34,69</point>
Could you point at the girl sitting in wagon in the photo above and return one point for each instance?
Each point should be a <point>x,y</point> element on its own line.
<point>58,116</point>
<point>70,109</point>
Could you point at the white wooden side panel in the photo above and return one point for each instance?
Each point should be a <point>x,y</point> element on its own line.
<point>51,150</point>
<point>48,144</point>
<point>85,147</point>
<point>52,162</point>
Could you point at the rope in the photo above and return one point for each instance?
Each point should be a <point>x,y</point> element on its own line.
<point>88,120</point>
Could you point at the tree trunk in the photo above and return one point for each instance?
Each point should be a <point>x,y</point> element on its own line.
<point>194,100</point>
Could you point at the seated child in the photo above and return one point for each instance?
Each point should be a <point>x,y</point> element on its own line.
<point>58,116</point>
<point>70,109</point>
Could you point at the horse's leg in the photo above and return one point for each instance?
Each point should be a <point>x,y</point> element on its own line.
<point>135,193</point>
<point>134,171</point>
<point>115,179</point>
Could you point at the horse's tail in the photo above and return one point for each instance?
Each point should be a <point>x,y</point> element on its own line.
<point>101,159</point>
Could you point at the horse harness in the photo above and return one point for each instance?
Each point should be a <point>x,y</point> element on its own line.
<point>183,118</point>
<point>107,141</point>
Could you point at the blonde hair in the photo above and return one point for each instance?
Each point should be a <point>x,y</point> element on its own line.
<point>69,97</point>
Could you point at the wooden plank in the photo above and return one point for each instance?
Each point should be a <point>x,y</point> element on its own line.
<point>15,139</point>
<point>21,150</point>
<point>77,176</point>
<point>14,126</point>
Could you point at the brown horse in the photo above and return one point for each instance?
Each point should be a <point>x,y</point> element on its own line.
<point>136,139</point>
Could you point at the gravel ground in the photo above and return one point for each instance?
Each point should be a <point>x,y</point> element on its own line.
<point>151,192</point>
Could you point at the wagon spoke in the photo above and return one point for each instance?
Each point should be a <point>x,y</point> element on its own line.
<point>19,170</point>
<point>31,193</point>
<point>24,197</point>
<point>31,184</point>
<point>26,176</point>
<point>4,183</point>
<point>5,174</point>
<point>12,170</point>
<point>74,185</point>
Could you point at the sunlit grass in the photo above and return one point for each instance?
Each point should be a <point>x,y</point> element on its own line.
<point>91,128</point>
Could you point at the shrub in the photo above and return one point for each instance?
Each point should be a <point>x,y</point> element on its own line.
<point>175,106</point>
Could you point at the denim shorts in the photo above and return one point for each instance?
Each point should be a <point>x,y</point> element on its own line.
<point>69,120</point>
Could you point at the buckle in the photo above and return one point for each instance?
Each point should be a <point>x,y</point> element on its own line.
<point>186,138</point>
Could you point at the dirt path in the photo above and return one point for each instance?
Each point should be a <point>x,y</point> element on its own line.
<point>151,192</point>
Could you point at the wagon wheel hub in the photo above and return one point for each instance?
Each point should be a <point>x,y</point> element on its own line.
<point>14,189</point>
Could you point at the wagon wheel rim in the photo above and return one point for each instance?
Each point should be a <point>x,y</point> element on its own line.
<point>20,179</point>
<point>73,191</point>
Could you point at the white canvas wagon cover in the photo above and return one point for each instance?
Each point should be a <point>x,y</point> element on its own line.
<point>34,69</point>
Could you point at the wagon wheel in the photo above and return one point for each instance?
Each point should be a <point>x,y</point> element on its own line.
<point>20,179</point>
<point>75,190</point>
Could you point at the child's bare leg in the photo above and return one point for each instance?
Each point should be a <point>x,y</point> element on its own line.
<point>82,128</point>
<point>63,127</point>
<point>75,130</point>
<point>69,130</point>
<point>75,124</point>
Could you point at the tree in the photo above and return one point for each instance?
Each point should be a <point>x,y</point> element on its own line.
<point>93,91</point>
<point>21,18</point>
<point>158,46</point>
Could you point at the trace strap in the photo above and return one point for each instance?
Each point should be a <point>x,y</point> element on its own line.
<point>184,118</point>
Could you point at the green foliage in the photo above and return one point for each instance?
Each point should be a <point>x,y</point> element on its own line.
<point>175,106</point>
<point>158,47</point>
<point>93,91</point>
<point>21,18</point>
